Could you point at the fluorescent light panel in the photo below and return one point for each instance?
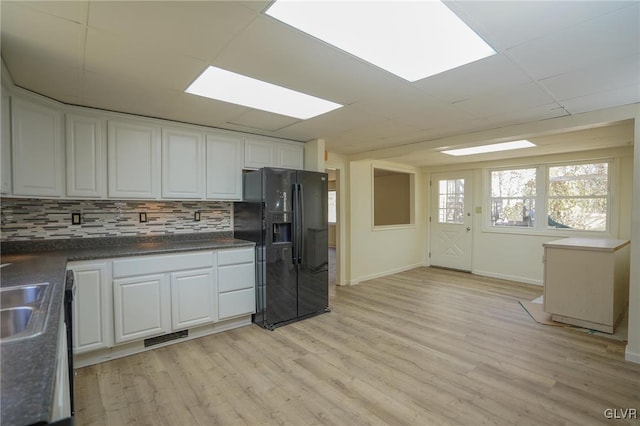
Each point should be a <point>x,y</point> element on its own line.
<point>227,86</point>
<point>506,146</point>
<point>412,39</point>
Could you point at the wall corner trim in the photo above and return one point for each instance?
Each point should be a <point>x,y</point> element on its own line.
<point>631,356</point>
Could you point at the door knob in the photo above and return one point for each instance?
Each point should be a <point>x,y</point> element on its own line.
<point>468,228</point>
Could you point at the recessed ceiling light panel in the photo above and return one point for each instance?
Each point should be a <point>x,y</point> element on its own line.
<point>412,39</point>
<point>483,149</point>
<point>227,86</point>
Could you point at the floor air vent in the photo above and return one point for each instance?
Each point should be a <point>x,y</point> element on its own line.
<point>165,338</point>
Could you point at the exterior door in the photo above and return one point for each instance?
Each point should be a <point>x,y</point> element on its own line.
<point>451,220</point>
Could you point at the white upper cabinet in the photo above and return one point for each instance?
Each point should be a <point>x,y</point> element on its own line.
<point>37,149</point>
<point>225,158</point>
<point>290,156</point>
<point>258,154</point>
<point>86,156</point>
<point>5,144</point>
<point>263,153</point>
<point>182,164</point>
<point>134,160</point>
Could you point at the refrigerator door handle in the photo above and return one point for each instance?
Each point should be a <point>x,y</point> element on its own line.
<point>301,232</point>
<point>296,213</point>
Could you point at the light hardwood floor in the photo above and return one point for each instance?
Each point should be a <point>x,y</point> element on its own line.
<point>423,347</point>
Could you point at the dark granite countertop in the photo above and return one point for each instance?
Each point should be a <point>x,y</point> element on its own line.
<point>28,365</point>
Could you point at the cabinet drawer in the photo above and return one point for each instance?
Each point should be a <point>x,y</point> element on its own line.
<point>236,277</point>
<point>231,257</point>
<point>157,264</point>
<point>234,303</point>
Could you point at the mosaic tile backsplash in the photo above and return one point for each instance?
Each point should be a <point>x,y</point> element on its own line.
<point>35,219</point>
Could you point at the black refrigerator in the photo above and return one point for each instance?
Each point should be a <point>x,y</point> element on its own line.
<point>285,213</point>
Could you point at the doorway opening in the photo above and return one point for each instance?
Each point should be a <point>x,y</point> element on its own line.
<point>332,188</point>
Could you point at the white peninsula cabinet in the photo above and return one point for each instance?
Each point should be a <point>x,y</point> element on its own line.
<point>133,160</point>
<point>225,158</point>
<point>37,149</point>
<point>86,156</point>
<point>586,281</point>
<point>92,306</point>
<point>182,164</point>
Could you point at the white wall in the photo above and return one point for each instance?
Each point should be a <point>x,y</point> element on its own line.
<point>385,250</point>
<point>633,346</point>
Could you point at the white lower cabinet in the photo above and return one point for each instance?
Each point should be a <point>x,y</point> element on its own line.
<point>141,307</point>
<point>236,283</point>
<point>193,298</point>
<point>92,306</point>
<point>121,302</point>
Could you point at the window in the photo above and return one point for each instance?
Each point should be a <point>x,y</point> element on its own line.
<point>577,196</point>
<point>513,197</point>
<point>451,201</point>
<point>332,206</point>
<point>574,196</point>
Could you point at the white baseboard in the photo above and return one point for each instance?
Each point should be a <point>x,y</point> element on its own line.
<point>509,277</point>
<point>631,356</point>
<point>385,273</point>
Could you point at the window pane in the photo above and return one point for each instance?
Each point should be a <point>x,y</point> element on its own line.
<point>578,196</point>
<point>513,183</point>
<point>513,195</point>
<point>578,180</point>
<point>332,206</point>
<point>451,201</point>
<point>588,214</point>
<point>513,212</point>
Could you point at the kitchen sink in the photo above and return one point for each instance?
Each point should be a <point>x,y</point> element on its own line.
<point>20,296</point>
<point>14,321</point>
<point>23,311</point>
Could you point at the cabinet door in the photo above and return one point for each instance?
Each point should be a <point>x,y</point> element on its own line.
<point>141,307</point>
<point>225,159</point>
<point>5,144</point>
<point>86,158</point>
<point>193,298</point>
<point>290,156</point>
<point>258,154</point>
<point>37,149</point>
<point>92,307</point>
<point>134,160</point>
<point>182,164</point>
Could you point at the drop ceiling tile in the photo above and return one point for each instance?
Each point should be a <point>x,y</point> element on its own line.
<point>108,54</point>
<point>527,115</point>
<point>598,78</point>
<point>493,73</point>
<point>192,28</point>
<point>608,99</point>
<point>506,101</point>
<point>329,124</point>
<point>261,120</point>
<point>505,24</point>
<point>56,39</point>
<point>594,42</point>
<point>75,11</point>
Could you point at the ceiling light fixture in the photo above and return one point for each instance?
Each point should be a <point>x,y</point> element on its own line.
<point>217,83</point>
<point>506,146</point>
<point>411,39</point>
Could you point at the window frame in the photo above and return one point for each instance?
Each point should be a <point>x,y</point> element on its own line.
<point>541,227</point>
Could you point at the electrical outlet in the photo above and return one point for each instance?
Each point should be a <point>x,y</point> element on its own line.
<point>143,217</point>
<point>76,218</point>
<point>196,217</point>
